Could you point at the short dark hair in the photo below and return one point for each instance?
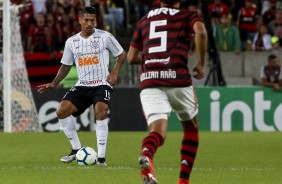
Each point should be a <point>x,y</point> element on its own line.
<point>271,57</point>
<point>87,10</point>
<point>170,1</point>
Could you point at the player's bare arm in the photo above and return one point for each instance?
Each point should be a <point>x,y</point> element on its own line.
<point>112,77</point>
<point>276,86</point>
<point>62,73</point>
<point>201,48</point>
<point>134,56</point>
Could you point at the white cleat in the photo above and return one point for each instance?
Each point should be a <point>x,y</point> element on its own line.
<point>67,159</point>
<point>70,157</point>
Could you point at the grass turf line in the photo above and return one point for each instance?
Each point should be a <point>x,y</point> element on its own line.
<point>224,158</point>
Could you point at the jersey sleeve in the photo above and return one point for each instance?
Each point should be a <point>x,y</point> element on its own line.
<point>68,57</point>
<point>194,17</point>
<point>113,45</point>
<point>136,40</point>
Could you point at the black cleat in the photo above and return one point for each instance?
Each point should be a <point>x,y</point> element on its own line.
<point>101,161</point>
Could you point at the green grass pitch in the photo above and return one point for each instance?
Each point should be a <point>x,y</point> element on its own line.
<point>223,158</point>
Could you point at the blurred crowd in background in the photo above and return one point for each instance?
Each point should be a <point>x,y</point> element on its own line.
<point>238,25</point>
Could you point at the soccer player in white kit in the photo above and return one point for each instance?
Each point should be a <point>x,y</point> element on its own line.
<point>89,49</point>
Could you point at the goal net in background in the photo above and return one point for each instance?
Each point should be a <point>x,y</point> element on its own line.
<point>17,108</point>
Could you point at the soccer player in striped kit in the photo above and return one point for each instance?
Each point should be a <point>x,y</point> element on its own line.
<point>160,43</point>
<point>89,50</point>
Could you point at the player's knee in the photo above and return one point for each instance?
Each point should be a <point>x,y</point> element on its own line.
<point>101,111</point>
<point>61,114</point>
<point>101,115</point>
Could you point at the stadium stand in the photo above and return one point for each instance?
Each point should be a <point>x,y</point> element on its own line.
<point>119,17</point>
<point>42,67</point>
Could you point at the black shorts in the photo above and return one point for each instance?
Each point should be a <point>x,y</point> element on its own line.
<point>82,97</point>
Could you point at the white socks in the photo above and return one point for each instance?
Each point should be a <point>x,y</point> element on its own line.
<point>68,126</point>
<point>102,131</point>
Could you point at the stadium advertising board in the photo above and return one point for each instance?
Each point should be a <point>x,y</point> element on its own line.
<point>220,109</point>
<point>238,109</point>
<point>47,103</point>
<point>126,113</point>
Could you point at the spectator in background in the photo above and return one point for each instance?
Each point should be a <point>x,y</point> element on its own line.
<point>39,6</point>
<point>269,15</point>
<point>102,9</point>
<point>275,26</point>
<point>118,10</point>
<point>216,10</point>
<point>55,31</point>
<point>26,19</point>
<point>227,35</point>
<point>262,40</point>
<point>247,23</point>
<point>50,5</point>
<point>271,73</point>
<point>59,14</point>
<point>71,28</point>
<point>36,35</point>
<point>237,5</point>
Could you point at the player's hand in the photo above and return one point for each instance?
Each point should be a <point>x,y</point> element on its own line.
<point>199,72</point>
<point>112,79</point>
<point>276,87</point>
<point>44,87</point>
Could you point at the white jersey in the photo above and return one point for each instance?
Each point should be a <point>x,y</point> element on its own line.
<point>91,56</point>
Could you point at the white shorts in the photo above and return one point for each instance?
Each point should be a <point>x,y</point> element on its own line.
<point>183,101</point>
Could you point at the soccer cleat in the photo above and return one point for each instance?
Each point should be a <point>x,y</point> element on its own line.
<point>70,157</point>
<point>147,170</point>
<point>101,161</point>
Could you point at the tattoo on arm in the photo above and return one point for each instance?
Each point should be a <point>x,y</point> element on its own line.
<point>62,73</point>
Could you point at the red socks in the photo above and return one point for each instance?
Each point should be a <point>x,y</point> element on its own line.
<point>151,143</point>
<point>189,150</point>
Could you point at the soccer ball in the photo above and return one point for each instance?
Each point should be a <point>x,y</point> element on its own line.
<point>86,156</point>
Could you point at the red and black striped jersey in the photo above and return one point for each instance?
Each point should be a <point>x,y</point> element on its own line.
<point>164,36</point>
<point>248,19</point>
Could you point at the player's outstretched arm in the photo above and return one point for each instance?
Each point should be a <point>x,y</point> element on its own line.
<point>201,48</point>
<point>44,87</point>
<point>62,73</point>
<point>112,77</point>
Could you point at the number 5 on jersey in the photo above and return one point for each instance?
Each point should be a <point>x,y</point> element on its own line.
<point>160,34</point>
